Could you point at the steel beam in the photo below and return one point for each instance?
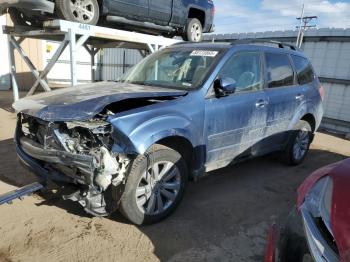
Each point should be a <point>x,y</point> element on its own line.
<point>92,51</point>
<point>74,47</point>
<point>11,57</point>
<point>50,65</point>
<point>67,32</point>
<point>29,63</point>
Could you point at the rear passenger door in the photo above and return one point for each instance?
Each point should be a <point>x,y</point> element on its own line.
<point>234,123</point>
<point>284,94</point>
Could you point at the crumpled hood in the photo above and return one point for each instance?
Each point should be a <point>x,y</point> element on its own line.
<point>340,210</point>
<point>84,102</point>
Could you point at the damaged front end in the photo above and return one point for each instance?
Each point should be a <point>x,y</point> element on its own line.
<point>79,151</point>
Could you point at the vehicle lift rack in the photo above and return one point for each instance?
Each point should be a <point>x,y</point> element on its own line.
<point>75,35</point>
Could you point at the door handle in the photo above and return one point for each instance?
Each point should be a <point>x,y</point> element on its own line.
<point>299,97</point>
<point>261,103</point>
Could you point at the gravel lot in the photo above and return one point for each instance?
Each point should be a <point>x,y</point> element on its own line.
<point>223,217</point>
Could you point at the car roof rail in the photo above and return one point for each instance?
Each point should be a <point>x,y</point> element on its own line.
<point>264,41</point>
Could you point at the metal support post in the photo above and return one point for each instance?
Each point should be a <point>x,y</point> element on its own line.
<point>74,48</point>
<point>50,65</point>
<point>12,69</point>
<point>92,51</point>
<point>73,61</point>
<point>150,47</point>
<point>29,63</point>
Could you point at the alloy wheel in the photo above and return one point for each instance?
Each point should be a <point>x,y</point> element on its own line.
<point>196,32</point>
<point>301,144</point>
<point>82,10</point>
<point>158,188</point>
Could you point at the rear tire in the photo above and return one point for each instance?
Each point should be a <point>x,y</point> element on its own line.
<point>147,200</point>
<point>298,144</point>
<point>194,30</point>
<point>81,11</point>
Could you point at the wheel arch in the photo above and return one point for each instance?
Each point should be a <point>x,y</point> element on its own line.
<point>194,12</point>
<point>182,145</point>
<point>104,8</point>
<point>311,120</point>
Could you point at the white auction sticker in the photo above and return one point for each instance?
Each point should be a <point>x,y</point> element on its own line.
<point>204,53</point>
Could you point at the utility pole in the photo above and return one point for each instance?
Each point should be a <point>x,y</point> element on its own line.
<point>304,26</point>
<point>301,23</point>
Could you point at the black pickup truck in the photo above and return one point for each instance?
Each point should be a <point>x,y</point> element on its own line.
<point>187,18</point>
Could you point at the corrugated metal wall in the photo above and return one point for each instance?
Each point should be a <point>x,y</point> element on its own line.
<point>332,62</point>
<point>113,62</point>
<point>330,59</point>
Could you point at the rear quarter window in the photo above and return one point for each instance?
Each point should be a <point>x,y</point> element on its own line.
<point>304,70</point>
<point>279,70</point>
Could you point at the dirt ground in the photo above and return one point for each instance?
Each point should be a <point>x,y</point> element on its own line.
<point>223,217</point>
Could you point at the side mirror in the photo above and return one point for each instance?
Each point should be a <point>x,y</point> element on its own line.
<point>224,86</point>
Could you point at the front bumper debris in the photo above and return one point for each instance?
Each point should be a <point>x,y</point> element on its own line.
<point>54,153</point>
<point>8,197</point>
<point>55,156</point>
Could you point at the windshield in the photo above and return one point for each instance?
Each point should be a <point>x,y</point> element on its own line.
<point>173,68</point>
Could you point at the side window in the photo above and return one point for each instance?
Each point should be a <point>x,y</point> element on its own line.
<point>279,70</point>
<point>304,70</point>
<point>245,69</point>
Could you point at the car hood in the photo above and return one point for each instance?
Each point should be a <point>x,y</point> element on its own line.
<point>340,210</point>
<point>84,102</point>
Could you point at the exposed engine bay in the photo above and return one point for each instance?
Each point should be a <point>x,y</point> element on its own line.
<point>80,151</point>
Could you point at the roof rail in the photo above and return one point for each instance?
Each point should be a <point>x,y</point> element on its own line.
<point>264,41</point>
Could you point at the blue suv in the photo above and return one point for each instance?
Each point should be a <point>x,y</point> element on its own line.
<point>183,111</point>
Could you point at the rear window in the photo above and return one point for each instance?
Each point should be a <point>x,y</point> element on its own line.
<point>304,70</point>
<point>279,70</point>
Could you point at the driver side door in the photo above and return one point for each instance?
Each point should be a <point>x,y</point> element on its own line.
<point>236,122</point>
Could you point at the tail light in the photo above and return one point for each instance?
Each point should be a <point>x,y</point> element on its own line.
<point>210,2</point>
<point>321,91</point>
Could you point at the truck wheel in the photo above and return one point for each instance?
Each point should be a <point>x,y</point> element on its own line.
<point>298,144</point>
<point>81,11</point>
<point>155,186</point>
<point>194,30</point>
<point>19,18</point>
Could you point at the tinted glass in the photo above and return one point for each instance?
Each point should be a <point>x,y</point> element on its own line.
<point>279,70</point>
<point>245,69</point>
<point>173,68</point>
<point>304,70</point>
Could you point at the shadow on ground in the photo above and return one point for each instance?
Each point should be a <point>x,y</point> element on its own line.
<point>224,216</point>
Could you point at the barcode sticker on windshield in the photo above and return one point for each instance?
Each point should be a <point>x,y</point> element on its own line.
<point>204,53</point>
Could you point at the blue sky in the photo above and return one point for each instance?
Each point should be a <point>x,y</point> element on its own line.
<point>233,16</point>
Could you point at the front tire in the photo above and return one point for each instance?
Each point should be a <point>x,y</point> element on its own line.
<point>155,186</point>
<point>194,30</point>
<point>298,144</point>
<point>81,11</point>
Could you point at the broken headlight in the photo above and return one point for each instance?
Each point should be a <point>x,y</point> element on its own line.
<point>319,200</point>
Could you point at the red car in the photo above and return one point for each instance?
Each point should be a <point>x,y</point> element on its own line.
<point>324,209</point>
